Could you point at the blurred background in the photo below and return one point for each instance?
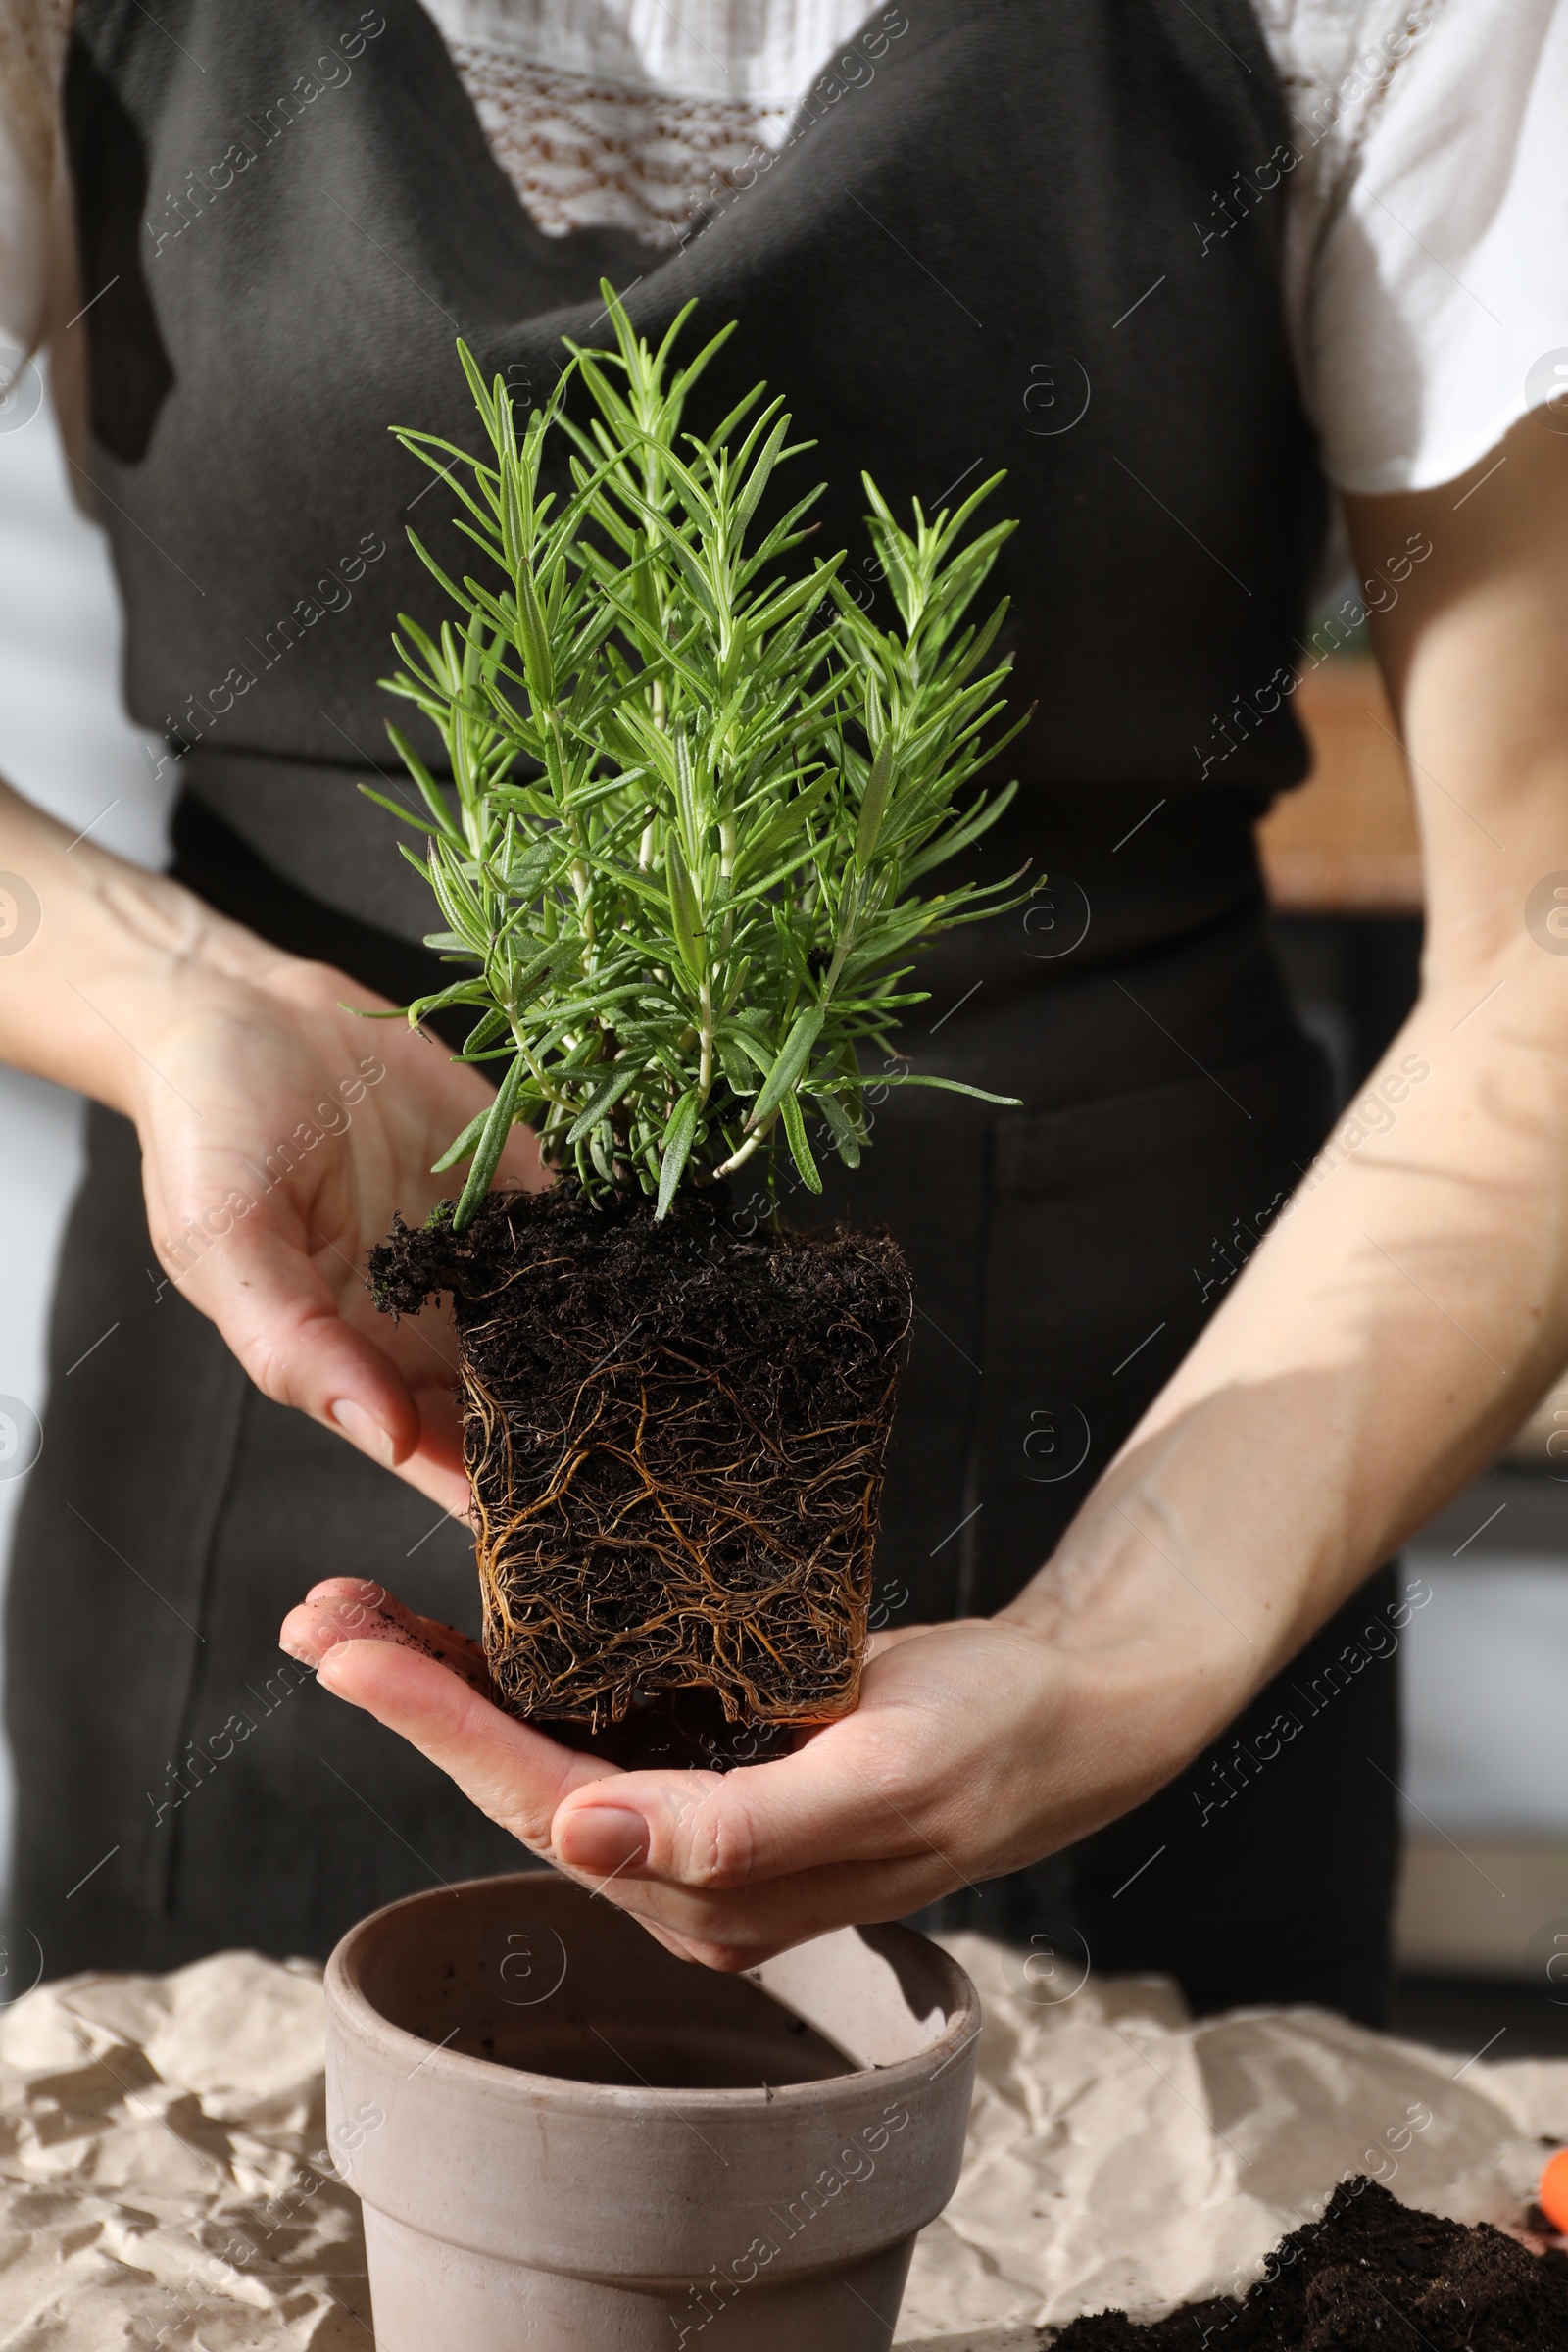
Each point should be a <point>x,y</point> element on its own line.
<point>1484,1919</point>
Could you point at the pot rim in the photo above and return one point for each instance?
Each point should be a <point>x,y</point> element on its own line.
<point>351,2012</point>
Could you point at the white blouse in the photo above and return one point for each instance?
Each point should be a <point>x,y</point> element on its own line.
<point>1427,198</point>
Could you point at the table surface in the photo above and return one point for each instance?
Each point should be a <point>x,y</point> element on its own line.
<point>164,2178</point>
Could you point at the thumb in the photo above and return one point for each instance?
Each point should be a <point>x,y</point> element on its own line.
<point>717,1830</point>
<point>515,1775</point>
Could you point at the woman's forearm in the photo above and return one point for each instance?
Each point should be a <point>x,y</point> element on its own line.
<point>101,957</point>
<point>1402,1318</point>
<point>1411,1305</point>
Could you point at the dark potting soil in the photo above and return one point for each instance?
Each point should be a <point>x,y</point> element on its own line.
<point>1370,2274</point>
<point>675,1437</point>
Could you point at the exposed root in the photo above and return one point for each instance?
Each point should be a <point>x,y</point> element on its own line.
<point>675,1439</point>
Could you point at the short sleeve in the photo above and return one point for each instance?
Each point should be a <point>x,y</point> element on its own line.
<point>1435,308</point>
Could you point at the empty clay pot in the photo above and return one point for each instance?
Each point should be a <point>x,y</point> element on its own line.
<point>563,2136</point>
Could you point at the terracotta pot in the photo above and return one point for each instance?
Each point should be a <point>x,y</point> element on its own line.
<point>564,2136</point>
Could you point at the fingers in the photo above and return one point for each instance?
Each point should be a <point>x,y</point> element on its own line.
<point>731,1830</point>
<point>933,1783</point>
<point>274,1153</point>
<point>733,1931</point>
<point>822,1804</point>
<point>512,1774</point>
<point>911,1772</point>
<point>292,1305</point>
<point>282,1320</point>
<point>878,1645</point>
<point>349,1608</point>
<point>446,1488</point>
<point>435,1466</point>
<point>275,1148</point>
<point>417,1679</point>
<point>430,1683</point>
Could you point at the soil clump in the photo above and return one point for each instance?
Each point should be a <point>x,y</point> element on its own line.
<point>675,1437</point>
<point>1370,2274</point>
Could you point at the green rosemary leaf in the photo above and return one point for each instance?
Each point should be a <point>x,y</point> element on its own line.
<point>953,1086</point>
<point>605,1099</point>
<point>406,816</point>
<point>873,803</point>
<point>491,1144</point>
<point>461,992</point>
<point>793,1057</point>
<point>685,913</point>
<point>484,1033</point>
<point>844,1135</point>
<point>430,789</point>
<point>462,1145</point>
<point>677,1143</point>
<point>799,1149</point>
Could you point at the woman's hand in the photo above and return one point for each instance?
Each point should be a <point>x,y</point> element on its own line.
<point>908,1797</point>
<point>280,1132</point>
<point>976,1747</point>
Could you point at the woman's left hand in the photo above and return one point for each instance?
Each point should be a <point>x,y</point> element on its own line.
<point>965,1758</point>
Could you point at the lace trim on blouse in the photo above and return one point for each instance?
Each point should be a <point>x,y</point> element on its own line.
<point>584,153</point>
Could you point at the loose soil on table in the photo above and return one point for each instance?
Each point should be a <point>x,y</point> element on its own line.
<point>1372,2272</point>
<point>675,1438</point>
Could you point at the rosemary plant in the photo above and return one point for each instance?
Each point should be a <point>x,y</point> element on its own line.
<point>691,790</point>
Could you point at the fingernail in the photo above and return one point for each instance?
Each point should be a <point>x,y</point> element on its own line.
<point>289,1650</point>
<point>361,1430</point>
<point>603,1839</point>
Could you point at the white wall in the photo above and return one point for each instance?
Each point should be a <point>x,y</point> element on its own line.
<point>66,742</point>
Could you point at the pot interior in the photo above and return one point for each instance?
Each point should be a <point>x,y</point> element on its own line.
<point>534,1973</point>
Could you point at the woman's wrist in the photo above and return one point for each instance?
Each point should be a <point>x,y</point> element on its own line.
<point>106,955</point>
<point>1163,1637</point>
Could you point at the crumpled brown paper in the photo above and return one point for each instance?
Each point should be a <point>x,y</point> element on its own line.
<point>164,2177</point>
<point>1121,2155</point>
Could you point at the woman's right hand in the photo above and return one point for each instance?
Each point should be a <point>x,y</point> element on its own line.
<point>279,1133</point>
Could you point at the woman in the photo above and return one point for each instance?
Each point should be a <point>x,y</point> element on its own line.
<point>1052,239</point>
